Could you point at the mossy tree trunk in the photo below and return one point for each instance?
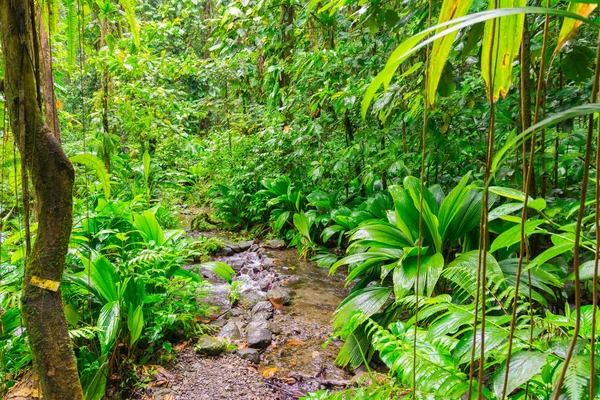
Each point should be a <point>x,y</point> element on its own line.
<point>52,176</point>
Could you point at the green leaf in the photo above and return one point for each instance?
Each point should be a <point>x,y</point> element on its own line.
<point>104,277</point>
<point>72,31</point>
<point>441,48</point>
<point>430,209</point>
<point>220,268</point>
<point>366,301</point>
<point>95,389</point>
<point>523,366</point>
<point>93,162</point>
<point>129,8</point>
<point>418,41</point>
<point>405,274</point>
<point>452,204</point>
<point>146,162</point>
<point>109,323</point>
<point>513,142</point>
<point>513,235</point>
<point>149,227</point>
<point>72,314</point>
<point>570,25</point>
<point>501,43</point>
<point>135,324</point>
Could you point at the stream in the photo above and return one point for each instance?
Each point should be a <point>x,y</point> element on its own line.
<point>279,324</point>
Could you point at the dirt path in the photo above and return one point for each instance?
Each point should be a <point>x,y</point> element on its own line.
<point>289,365</point>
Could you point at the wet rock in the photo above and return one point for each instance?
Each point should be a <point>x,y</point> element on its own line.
<point>218,296</point>
<point>231,249</point>
<point>235,312</point>
<point>231,330</point>
<point>274,328</point>
<point>262,308</point>
<point>237,263</point>
<point>267,262</point>
<point>246,245</point>
<point>251,297</point>
<point>280,295</point>
<point>259,335</point>
<point>250,355</point>
<point>210,346</point>
<point>274,244</point>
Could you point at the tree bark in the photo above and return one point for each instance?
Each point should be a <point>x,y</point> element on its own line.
<point>52,176</point>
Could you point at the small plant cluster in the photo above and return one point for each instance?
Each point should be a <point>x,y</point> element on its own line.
<point>129,290</point>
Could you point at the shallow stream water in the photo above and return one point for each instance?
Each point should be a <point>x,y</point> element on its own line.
<point>295,363</point>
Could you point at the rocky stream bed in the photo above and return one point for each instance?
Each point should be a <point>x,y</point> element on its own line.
<point>275,332</point>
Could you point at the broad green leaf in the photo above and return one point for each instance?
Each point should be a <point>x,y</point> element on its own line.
<point>109,323</point>
<point>303,224</point>
<point>146,162</point>
<point>514,141</point>
<point>366,301</point>
<point>220,268</point>
<point>281,220</point>
<point>451,9</point>
<point>452,204</point>
<point>570,25</point>
<point>550,253</point>
<point>523,366</point>
<point>430,209</point>
<point>135,324</point>
<point>95,389</point>
<point>72,314</point>
<point>149,227</point>
<point>501,43</point>
<point>418,41</point>
<point>513,235</point>
<point>129,9</point>
<point>586,271</point>
<point>405,274</point>
<point>104,277</point>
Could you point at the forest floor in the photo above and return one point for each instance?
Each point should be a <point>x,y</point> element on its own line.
<point>278,325</point>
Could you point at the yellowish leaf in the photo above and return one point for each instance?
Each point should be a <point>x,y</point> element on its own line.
<point>269,372</point>
<point>571,25</point>
<point>451,9</point>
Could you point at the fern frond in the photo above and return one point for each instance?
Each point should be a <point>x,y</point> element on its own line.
<point>93,162</point>
<point>129,9</point>
<point>72,31</point>
<point>435,371</point>
<point>577,377</point>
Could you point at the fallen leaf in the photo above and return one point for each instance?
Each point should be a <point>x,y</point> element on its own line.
<point>168,397</point>
<point>242,345</point>
<point>277,303</point>
<point>295,342</point>
<point>250,367</point>
<point>269,372</point>
<point>289,380</point>
<point>181,347</point>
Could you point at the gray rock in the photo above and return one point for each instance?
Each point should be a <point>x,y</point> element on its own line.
<point>274,244</point>
<point>249,355</point>
<point>263,307</point>
<point>258,324</point>
<point>273,327</point>
<point>280,295</point>
<point>218,296</point>
<point>246,245</point>
<point>210,346</point>
<point>251,297</point>
<point>259,337</point>
<point>231,330</point>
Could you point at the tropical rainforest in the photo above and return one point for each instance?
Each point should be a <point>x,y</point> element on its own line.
<point>276,199</point>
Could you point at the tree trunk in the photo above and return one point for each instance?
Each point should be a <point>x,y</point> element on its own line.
<point>52,175</point>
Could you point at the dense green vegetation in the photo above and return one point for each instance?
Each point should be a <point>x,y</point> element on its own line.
<point>461,198</point>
